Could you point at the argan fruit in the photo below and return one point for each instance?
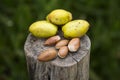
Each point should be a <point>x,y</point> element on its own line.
<point>59,17</point>
<point>75,28</point>
<point>43,29</point>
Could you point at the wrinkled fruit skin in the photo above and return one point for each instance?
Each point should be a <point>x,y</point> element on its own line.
<point>47,55</point>
<point>59,17</point>
<point>43,29</point>
<point>76,28</point>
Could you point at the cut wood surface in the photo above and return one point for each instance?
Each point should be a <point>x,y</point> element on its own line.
<point>74,67</point>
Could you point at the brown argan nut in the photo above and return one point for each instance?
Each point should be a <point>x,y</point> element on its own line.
<point>52,40</point>
<point>61,43</point>
<point>74,45</point>
<point>63,51</point>
<point>47,55</point>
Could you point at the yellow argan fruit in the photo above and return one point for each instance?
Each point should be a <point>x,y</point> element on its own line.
<point>76,28</point>
<point>59,17</point>
<point>43,29</point>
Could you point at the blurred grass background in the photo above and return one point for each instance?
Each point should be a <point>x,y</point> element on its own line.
<point>104,17</point>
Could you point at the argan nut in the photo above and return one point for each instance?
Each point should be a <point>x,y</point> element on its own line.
<point>63,51</point>
<point>47,55</point>
<point>74,45</point>
<point>52,40</point>
<point>61,43</point>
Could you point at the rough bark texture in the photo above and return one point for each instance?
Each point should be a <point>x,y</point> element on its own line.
<point>74,67</point>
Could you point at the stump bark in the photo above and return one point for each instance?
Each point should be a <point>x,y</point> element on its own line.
<point>74,67</point>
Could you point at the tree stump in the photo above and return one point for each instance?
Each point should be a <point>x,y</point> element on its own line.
<point>74,67</point>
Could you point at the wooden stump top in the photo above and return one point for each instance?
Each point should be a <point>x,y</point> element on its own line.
<point>33,46</point>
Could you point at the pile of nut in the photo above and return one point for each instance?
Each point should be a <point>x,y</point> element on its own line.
<point>62,48</point>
